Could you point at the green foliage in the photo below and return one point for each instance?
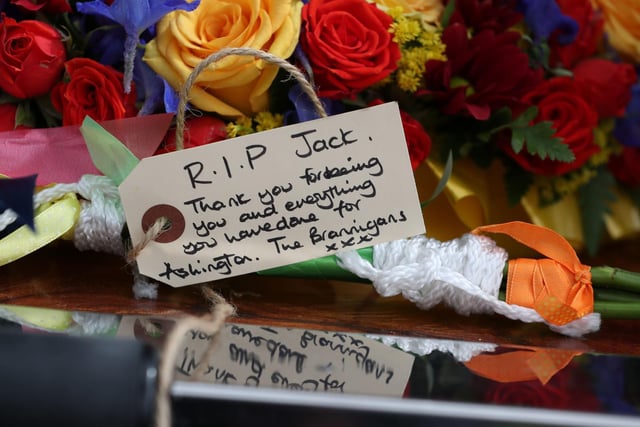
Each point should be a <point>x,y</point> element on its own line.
<point>109,155</point>
<point>594,199</point>
<point>446,14</point>
<point>446,174</point>
<point>25,116</point>
<point>537,138</point>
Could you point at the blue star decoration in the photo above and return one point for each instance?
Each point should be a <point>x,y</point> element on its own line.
<point>17,194</point>
<point>135,16</point>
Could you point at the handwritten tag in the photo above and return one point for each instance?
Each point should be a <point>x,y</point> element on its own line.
<point>274,198</point>
<point>287,358</point>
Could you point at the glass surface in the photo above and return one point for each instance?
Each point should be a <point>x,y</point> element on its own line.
<point>284,376</point>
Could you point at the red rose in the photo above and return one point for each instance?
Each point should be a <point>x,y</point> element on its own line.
<point>590,30</point>
<point>625,166</point>
<point>348,45</point>
<point>46,6</point>
<point>481,74</point>
<point>198,131</point>
<point>8,117</point>
<point>566,103</point>
<point>609,82</point>
<point>92,89</point>
<point>31,57</point>
<point>418,140</point>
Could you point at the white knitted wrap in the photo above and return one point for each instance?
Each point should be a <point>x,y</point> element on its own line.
<point>463,273</point>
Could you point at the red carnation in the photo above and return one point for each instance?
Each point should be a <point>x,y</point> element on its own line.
<point>478,15</point>
<point>624,166</point>
<point>481,74</point>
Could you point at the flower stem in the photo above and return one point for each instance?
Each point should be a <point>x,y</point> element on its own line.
<point>614,295</point>
<point>615,278</point>
<point>617,310</point>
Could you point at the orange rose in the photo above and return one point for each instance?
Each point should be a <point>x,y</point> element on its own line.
<point>622,24</point>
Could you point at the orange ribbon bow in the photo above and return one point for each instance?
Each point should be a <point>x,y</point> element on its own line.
<point>557,287</point>
<point>525,364</point>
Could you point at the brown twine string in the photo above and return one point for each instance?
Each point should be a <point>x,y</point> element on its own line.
<point>220,309</point>
<point>242,51</point>
<point>152,233</point>
<point>209,324</point>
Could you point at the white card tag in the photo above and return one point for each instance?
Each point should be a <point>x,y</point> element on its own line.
<point>274,198</point>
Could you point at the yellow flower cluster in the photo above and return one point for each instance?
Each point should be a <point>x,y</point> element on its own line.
<point>552,188</point>
<point>557,187</point>
<point>419,42</point>
<point>260,122</point>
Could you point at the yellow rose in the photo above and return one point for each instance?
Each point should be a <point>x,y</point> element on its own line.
<point>622,24</point>
<point>431,10</point>
<point>235,85</point>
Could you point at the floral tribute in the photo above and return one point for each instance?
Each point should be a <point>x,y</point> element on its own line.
<point>547,90</point>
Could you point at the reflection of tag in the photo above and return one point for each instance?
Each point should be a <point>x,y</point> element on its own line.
<point>274,198</point>
<point>285,358</point>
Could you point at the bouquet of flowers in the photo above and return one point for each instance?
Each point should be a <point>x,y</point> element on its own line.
<point>537,101</point>
<point>542,94</point>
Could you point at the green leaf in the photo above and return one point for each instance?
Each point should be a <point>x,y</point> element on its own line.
<point>517,182</point>
<point>446,14</point>
<point>594,199</point>
<point>109,155</point>
<point>51,116</point>
<point>540,142</point>
<point>525,118</point>
<point>538,138</point>
<point>446,174</point>
<point>561,72</point>
<point>25,115</point>
<point>517,142</point>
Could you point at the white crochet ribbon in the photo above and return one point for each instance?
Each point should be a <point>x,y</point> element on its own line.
<point>462,351</point>
<point>464,273</point>
<point>99,224</point>
<point>101,216</point>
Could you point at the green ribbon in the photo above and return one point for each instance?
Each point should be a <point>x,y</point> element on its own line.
<point>326,268</point>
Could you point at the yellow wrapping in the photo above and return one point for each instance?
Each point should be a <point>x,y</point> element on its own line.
<point>53,221</point>
<point>474,196</point>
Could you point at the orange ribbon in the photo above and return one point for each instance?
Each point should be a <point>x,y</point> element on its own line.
<point>522,365</point>
<point>557,287</point>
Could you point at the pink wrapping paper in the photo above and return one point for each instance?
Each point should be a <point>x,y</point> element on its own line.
<point>59,155</point>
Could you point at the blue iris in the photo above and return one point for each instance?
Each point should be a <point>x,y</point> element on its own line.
<point>544,17</point>
<point>135,16</point>
<point>627,130</point>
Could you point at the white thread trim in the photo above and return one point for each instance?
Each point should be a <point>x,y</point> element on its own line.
<point>463,273</point>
